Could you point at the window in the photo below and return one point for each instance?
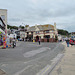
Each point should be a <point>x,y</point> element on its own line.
<point>47,31</point>
<point>52,36</point>
<point>47,36</point>
<point>37,32</point>
<point>3,17</point>
<point>31,32</point>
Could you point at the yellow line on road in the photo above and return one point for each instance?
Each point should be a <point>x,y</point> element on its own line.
<point>45,70</point>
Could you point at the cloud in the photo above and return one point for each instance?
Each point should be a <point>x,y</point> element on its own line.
<point>41,12</point>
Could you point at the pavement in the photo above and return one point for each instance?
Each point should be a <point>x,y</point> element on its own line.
<point>67,64</point>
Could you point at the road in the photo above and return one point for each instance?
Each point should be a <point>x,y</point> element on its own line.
<point>28,58</point>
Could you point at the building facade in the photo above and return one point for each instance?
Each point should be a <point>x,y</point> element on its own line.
<point>3,15</point>
<point>2,30</point>
<point>46,33</point>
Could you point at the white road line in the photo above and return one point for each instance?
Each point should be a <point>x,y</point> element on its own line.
<point>19,72</point>
<point>4,65</point>
<point>34,52</point>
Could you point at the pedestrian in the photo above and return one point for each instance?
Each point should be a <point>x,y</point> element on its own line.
<point>71,42</point>
<point>39,40</point>
<point>67,41</point>
<point>14,43</point>
<point>74,42</point>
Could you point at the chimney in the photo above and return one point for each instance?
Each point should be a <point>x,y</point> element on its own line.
<point>55,25</point>
<point>36,26</point>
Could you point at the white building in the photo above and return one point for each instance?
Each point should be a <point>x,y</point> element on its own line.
<point>3,15</point>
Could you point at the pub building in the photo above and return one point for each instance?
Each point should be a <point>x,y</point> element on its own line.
<point>2,31</point>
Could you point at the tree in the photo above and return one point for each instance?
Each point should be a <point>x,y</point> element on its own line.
<point>56,38</point>
<point>63,32</point>
<point>12,27</point>
<point>22,27</point>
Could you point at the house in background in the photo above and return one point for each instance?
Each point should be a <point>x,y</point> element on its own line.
<point>20,34</point>
<point>46,33</point>
<point>73,35</point>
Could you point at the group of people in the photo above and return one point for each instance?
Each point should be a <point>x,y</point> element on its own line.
<point>70,41</point>
<point>11,42</point>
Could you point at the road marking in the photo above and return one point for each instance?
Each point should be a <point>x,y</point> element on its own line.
<point>34,52</point>
<point>47,70</point>
<point>31,45</point>
<point>4,65</point>
<point>19,72</point>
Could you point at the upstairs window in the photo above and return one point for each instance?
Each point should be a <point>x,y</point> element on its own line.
<point>31,32</point>
<point>47,31</point>
<point>37,32</point>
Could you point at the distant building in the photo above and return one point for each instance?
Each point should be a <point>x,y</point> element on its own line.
<point>46,32</point>
<point>11,33</point>
<point>20,34</point>
<point>16,33</point>
<point>73,35</point>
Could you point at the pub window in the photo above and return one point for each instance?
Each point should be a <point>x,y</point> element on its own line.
<point>47,31</point>
<point>37,32</point>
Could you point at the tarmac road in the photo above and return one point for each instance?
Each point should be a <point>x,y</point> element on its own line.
<point>28,58</point>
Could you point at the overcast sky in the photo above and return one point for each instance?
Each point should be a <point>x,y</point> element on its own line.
<point>21,12</point>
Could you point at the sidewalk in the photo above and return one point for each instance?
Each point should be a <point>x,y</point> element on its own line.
<point>67,65</point>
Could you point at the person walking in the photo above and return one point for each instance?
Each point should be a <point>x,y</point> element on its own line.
<point>71,42</point>
<point>39,40</point>
<point>14,43</point>
<point>67,41</point>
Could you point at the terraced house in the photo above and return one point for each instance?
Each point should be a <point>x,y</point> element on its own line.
<point>45,32</point>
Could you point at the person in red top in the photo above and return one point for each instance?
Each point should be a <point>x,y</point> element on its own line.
<point>71,42</point>
<point>39,40</point>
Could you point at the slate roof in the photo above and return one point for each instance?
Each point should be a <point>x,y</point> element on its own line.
<point>41,27</point>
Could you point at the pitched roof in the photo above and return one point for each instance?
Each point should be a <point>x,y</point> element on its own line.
<point>31,28</point>
<point>41,27</point>
<point>45,27</point>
